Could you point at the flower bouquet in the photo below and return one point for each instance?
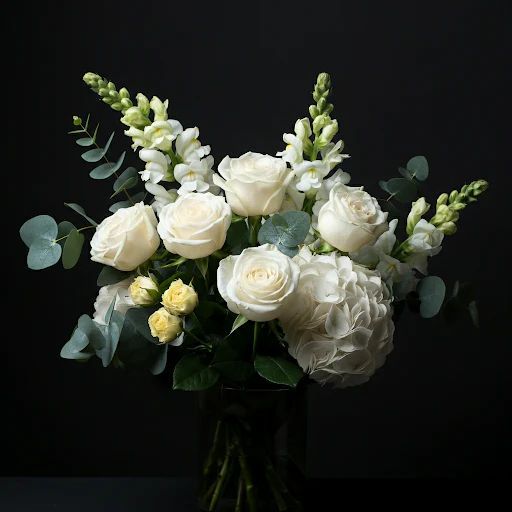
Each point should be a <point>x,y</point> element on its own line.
<point>262,274</point>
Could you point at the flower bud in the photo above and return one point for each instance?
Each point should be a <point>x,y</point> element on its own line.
<point>142,103</point>
<point>302,129</point>
<point>140,291</point>
<point>448,228</point>
<point>159,108</point>
<point>442,199</point>
<point>179,298</point>
<point>328,132</point>
<point>91,79</point>
<point>134,117</point>
<point>124,93</point>
<point>418,209</point>
<point>313,111</point>
<point>126,103</point>
<point>164,326</point>
<point>319,122</point>
<point>111,86</point>
<point>453,195</point>
<point>117,106</point>
<point>77,121</point>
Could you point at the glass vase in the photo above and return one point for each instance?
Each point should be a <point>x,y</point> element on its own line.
<point>252,449</point>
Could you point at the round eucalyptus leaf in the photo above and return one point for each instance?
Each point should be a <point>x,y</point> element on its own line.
<point>384,186</point>
<point>43,253</point>
<point>431,291</point>
<point>64,228</point>
<point>405,173</point>
<point>418,167</point>
<point>402,190</point>
<point>40,227</point>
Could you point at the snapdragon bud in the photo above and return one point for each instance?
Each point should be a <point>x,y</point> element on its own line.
<point>448,228</point>
<point>159,108</point>
<point>143,103</point>
<point>134,117</point>
<point>418,209</point>
<point>328,132</point>
<point>442,199</point>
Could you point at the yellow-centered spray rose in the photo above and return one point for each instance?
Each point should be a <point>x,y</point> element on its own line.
<point>164,326</point>
<point>180,298</point>
<point>139,290</point>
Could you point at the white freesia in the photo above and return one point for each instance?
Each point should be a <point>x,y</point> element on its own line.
<point>425,241</point>
<point>161,134</point>
<point>123,301</point>
<point>338,323</point>
<point>162,196</point>
<point>195,226</point>
<point>310,174</point>
<point>195,176</point>
<point>127,238</point>
<point>157,165</point>
<point>188,146</point>
<point>350,218</point>
<point>258,283</point>
<point>254,184</point>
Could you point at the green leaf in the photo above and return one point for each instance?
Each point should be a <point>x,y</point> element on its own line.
<point>193,374</point>
<point>418,167</point>
<point>81,211</point>
<point>92,331</point>
<point>64,228</point>
<point>239,321</point>
<point>237,237</point>
<point>127,203</point>
<point>402,190</point>
<point>73,348</point>
<point>405,173</point>
<point>384,186</point>
<point>110,275</point>
<point>72,249</point>
<point>85,141</point>
<point>76,131</point>
<point>286,231</point>
<point>111,334</point>
<point>126,180</point>
<point>40,227</point>
<point>43,253</point>
<point>138,317</point>
<point>431,291</point>
<point>160,361</point>
<point>234,370</point>
<point>106,170</point>
<point>473,313</point>
<point>95,155</point>
<point>202,265</point>
<point>278,370</point>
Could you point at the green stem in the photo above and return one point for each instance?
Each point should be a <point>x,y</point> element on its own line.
<point>255,336</point>
<point>246,475</point>
<point>273,476</point>
<point>278,498</point>
<point>80,229</point>
<point>254,225</point>
<point>128,196</point>
<point>239,494</point>
<point>223,475</point>
<point>215,446</point>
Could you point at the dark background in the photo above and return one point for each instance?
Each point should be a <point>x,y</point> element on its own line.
<point>410,78</point>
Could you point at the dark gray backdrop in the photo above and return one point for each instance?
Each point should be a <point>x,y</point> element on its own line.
<point>409,79</point>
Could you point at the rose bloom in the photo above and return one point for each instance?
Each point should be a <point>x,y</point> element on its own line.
<point>139,290</point>
<point>165,327</point>
<point>351,218</point>
<point>127,238</point>
<point>258,283</point>
<point>180,298</point>
<point>195,226</point>
<point>254,184</point>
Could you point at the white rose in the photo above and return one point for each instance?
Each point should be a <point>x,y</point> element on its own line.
<point>195,225</point>
<point>254,183</point>
<point>350,218</point>
<point>127,238</point>
<point>121,292</point>
<point>258,283</point>
<point>338,323</point>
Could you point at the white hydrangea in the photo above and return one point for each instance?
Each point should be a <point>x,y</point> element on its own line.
<point>338,324</point>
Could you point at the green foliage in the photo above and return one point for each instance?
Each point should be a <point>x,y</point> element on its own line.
<point>106,170</point>
<point>239,321</point>
<point>126,180</point>
<point>138,317</point>
<point>110,275</point>
<point>202,266</point>
<point>72,249</point>
<point>237,238</point>
<point>77,208</point>
<point>39,234</point>
<point>462,300</point>
<point>64,228</point>
<point>418,168</point>
<point>431,291</point>
<point>286,231</point>
<point>160,361</point>
<point>192,373</point>
<point>140,196</point>
<point>278,370</point>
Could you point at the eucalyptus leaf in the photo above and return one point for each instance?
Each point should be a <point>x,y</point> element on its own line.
<point>239,321</point>
<point>77,208</point>
<point>127,203</point>
<point>85,141</point>
<point>129,172</point>
<point>384,186</point>
<point>418,167</point>
<point>43,253</point>
<point>111,334</point>
<point>72,249</point>
<point>431,291</point>
<point>193,374</point>
<point>73,348</point>
<point>402,189</point>
<point>64,228</point>
<point>128,184</point>
<point>473,313</point>
<point>138,317</point>
<point>405,173</point>
<point>92,331</point>
<point>37,228</point>
<point>278,370</point>
<point>110,275</point>
<point>160,361</point>
<point>95,155</point>
<point>106,170</point>
<point>286,231</point>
